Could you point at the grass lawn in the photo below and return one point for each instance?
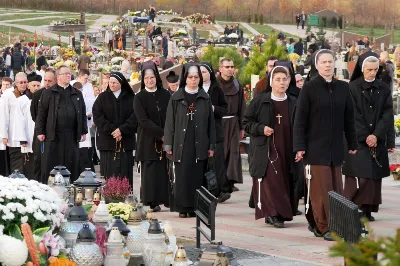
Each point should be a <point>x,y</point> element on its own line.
<point>204,33</point>
<point>265,29</point>
<point>90,19</point>
<point>222,24</point>
<point>377,32</point>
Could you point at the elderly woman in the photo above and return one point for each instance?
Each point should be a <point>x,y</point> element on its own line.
<point>150,107</point>
<point>189,138</point>
<point>268,120</point>
<point>116,124</point>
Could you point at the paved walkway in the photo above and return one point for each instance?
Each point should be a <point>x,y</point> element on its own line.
<point>292,29</point>
<point>104,19</point>
<point>236,227</point>
<point>249,28</point>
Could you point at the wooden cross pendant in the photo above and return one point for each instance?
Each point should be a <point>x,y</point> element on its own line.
<point>279,118</point>
<point>191,108</point>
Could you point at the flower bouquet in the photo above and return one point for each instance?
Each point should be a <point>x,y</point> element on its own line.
<point>116,189</point>
<point>121,209</point>
<point>247,94</point>
<point>395,170</point>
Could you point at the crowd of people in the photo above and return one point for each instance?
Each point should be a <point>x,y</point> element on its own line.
<point>304,134</point>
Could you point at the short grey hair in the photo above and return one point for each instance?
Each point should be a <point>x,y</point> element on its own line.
<point>21,75</point>
<point>372,59</point>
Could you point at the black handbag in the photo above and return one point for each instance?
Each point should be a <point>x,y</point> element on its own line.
<point>211,178</point>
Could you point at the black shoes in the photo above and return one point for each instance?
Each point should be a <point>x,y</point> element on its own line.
<point>368,216</point>
<point>187,215</point>
<point>328,237</point>
<point>223,197</point>
<point>276,221</point>
<point>156,208</point>
<point>234,189</point>
<point>298,212</point>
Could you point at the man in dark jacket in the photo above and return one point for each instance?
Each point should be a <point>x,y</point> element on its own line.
<point>41,61</point>
<point>17,61</point>
<point>262,83</point>
<point>324,112</point>
<point>373,109</point>
<point>61,124</point>
<point>299,47</point>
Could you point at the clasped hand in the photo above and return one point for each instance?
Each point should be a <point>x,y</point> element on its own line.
<point>117,134</point>
<point>268,131</point>
<point>372,141</point>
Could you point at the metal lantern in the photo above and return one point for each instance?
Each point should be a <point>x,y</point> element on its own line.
<point>155,249</point>
<point>181,258</point>
<point>88,182</point>
<point>63,171</point>
<point>86,252</point>
<point>101,216</point>
<point>119,223</point>
<point>115,249</point>
<point>140,209</point>
<point>131,199</point>
<point>216,251</point>
<point>138,229</point>
<point>70,228</point>
<point>17,174</point>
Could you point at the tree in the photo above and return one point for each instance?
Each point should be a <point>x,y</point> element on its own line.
<point>257,60</point>
<point>213,54</point>
<point>321,35</point>
<point>249,18</point>
<point>255,18</point>
<point>261,19</point>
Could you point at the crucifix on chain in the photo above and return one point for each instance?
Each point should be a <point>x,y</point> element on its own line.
<point>279,118</point>
<point>191,108</point>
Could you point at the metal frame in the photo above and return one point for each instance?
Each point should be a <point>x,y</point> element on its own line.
<point>204,195</point>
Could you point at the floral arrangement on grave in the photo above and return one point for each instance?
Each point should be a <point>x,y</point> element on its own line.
<point>177,20</point>
<point>135,13</point>
<point>165,12</point>
<point>134,77</point>
<point>199,18</point>
<point>104,68</point>
<point>29,212</point>
<point>67,53</point>
<point>180,32</point>
<point>140,31</point>
<point>90,54</point>
<point>294,58</point>
<point>116,189</point>
<point>119,53</point>
<point>69,63</point>
<point>397,123</point>
<point>121,209</point>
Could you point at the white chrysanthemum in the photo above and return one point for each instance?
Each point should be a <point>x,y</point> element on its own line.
<point>1,229</point>
<point>24,219</point>
<point>13,252</point>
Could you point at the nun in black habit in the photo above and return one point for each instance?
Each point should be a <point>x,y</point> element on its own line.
<point>173,82</point>
<point>189,138</point>
<point>292,89</point>
<point>116,124</point>
<point>150,106</point>
<point>373,109</point>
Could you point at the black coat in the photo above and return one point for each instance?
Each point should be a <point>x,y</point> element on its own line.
<point>299,48</point>
<point>177,120</point>
<point>322,116</point>
<point>374,116</point>
<point>110,113</point>
<point>150,110</point>
<point>17,61</point>
<point>260,113</point>
<point>46,119</point>
<point>35,103</point>
<point>41,61</point>
<point>220,109</point>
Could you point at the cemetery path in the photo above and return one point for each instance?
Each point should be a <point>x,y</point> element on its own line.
<point>104,19</point>
<point>236,226</point>
<point>249,28</point>
<point>27,19</point>
<point>292,29</point>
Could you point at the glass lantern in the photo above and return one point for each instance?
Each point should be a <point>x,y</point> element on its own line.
<point>70,228</point>
<point>88,183</point>
<point>101,216</point>
<point>119,223</point>
<point>17,174</point>
<point>59,186</point>
<point>155,249</point>
<point>138,229</point>
<point>86,252</point>
<point>115,249</point>
<point>63,171</point>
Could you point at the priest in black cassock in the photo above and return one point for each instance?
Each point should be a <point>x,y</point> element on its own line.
<point>61,124</point>
<point>268,120</point>
<point>189,138</point>
<point>150,108</point>
<point>173,82</point>
<point>116,124</point>
<point>373,111</point>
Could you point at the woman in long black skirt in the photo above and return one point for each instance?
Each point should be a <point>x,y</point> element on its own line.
<point>189,138</point>
<point>116,124</point>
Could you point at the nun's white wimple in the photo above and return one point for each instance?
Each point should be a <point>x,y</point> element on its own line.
<point>149,71</point>
<point>272,72</point>
<point>193,69</point>
<point>362,66</point>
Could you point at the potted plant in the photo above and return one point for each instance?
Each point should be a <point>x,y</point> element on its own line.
<point>395,170</point>
<point>116,189</point>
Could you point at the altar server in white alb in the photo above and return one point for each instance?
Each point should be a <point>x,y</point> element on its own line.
<point>9,122</point>
<point>85,156</point>
<point>25,126</point>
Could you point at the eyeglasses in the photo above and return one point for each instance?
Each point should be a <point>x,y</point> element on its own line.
<point>193,77</point>
<point>229,67</point>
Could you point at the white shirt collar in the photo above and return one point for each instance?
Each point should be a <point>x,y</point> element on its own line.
<point>191,91</point>
<point>206,87</point>
<point>277,99</point>
<point>369,81</point>
<point>153,90</point>
<point>117,93</point>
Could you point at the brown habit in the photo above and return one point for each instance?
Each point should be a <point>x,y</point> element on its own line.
<point>232,126</point>
<point>276,197</point>
<point>323,179</point>
<point>367,196</point>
